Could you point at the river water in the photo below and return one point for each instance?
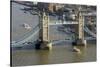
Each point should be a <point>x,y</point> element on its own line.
<point>61,53</point>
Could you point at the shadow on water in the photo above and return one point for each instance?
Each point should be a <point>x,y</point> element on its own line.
<point>26,47</point>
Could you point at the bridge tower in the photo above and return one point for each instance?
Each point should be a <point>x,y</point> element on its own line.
<point>44,32</point>
<point>81,40</point>
<point>45,28</point>
<point>81,26</point>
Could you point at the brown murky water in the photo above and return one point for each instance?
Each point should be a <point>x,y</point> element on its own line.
<point>59,54</point>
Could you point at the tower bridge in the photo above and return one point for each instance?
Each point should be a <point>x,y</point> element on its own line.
<point>44,41</point>
<point>43,29</point>
<point>44,32</point>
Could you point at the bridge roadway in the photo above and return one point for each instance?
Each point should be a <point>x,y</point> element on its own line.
<point>60,23</point>
<point>54,22</point>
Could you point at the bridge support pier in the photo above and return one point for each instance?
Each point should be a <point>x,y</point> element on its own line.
<point>81,42</point>
<point>43,45</point>
<point>46,45</point>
